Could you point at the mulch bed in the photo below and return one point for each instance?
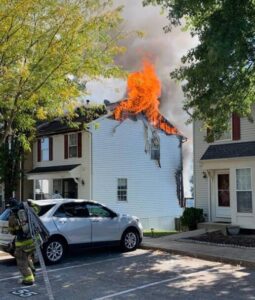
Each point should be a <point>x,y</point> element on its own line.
<point>218,237</point>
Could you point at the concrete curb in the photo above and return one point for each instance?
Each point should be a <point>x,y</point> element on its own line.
<point>244,263</point>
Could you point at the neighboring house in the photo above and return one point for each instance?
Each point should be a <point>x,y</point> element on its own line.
<point>224,174</point>
<point>130,166</point>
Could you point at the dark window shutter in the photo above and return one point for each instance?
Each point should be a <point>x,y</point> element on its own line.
<point>39,150</point>
<point>66,145</point>
<point>79,144</point>
<point>236,127</point>
<point>50,148</point>
<point>209,138</point>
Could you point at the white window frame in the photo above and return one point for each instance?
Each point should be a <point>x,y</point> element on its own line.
<point>248,190</point>
<point>72,145</point>
<point>45,152</point>
<point>121,189</point>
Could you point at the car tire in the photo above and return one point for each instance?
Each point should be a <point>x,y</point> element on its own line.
<point>130,240</point>
<point>54,250</point>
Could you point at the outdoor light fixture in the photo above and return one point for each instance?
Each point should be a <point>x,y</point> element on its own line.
<point>204,175</point>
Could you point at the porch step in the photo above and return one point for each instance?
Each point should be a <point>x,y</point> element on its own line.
<point>217,226</point>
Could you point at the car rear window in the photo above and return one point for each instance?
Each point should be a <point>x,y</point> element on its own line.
<point>5,215</point>
<point>42,209</point>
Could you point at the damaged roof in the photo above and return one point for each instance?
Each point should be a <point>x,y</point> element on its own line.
<point>233,150</point>
<point>86,114</point>
<point>62,125</point>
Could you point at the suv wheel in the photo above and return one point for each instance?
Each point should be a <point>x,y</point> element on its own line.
<point>54,251</point>
<point>130,240</point>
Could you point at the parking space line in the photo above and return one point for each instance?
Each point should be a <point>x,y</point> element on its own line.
<point>72,267</point>
<point>153,284</point>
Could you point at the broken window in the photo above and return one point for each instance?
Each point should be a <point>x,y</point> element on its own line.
<point>155,147</point>
<point>155,151</point>
<point>122,189</point>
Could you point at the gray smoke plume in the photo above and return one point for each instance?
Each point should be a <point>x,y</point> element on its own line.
<point>165,51</point>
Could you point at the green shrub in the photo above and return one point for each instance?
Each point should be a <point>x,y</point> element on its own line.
<point>191,216</point>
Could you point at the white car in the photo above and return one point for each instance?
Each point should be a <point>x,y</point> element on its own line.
<point>74,223</point>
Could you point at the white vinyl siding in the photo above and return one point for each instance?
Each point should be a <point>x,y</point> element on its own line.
<point>151,190</point>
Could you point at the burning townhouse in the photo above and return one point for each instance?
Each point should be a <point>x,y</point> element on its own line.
<point>130,158</point>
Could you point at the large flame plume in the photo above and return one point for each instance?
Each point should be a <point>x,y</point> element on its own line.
<point>143,90</point>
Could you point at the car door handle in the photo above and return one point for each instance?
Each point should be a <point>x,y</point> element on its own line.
<point>62,221</point>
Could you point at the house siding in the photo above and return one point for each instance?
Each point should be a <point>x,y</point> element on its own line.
<point>200,183</point>
<point>119,152</point>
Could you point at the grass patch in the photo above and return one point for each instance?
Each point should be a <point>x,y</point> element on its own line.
<point>159,233</point>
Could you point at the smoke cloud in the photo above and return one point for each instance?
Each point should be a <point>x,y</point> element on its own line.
<point>165,51</point>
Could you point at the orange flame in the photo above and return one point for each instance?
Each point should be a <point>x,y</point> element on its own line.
<point>144,88</point>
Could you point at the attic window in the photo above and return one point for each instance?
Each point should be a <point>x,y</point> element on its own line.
<point>155,150</point>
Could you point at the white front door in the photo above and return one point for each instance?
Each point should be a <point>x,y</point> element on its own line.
<point>222,195</point>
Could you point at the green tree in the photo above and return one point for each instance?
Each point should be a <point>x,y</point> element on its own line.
<point>219,74</point>
<point>46,48</point>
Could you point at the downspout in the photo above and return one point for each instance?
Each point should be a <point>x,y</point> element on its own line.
<point>91,164</point>
<point>183,140</point>
<point>209,195</point>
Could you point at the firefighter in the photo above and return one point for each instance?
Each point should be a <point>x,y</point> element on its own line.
<point>24,245</point>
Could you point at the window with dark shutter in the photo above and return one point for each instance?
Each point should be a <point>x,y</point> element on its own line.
<point>50,148</point>
<point>236,127</point>
<point>79,144</point>
<point>39,150</point>
<point>66,146</point>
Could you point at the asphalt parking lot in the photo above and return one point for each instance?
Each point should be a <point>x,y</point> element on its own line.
<point>142,274</point>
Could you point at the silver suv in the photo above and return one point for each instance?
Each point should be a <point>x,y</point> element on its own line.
<point>74,223</point>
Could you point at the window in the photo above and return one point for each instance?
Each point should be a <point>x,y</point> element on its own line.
<point>96,210</point>
<point>42,209</point>
<point>72,210</point>
<point>57,187</point>
<point>42,189</point>
<point>155,151</point>
<point>45,149</point>
<point>226,135</point>
<point>243,190</point>
<point>73,145</point>
<point>122,189</point>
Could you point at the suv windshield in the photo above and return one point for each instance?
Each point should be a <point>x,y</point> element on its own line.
<point>5,215</point>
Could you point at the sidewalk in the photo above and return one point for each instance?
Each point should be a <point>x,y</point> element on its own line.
<point>177,244</point>
<point>4,254</point>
